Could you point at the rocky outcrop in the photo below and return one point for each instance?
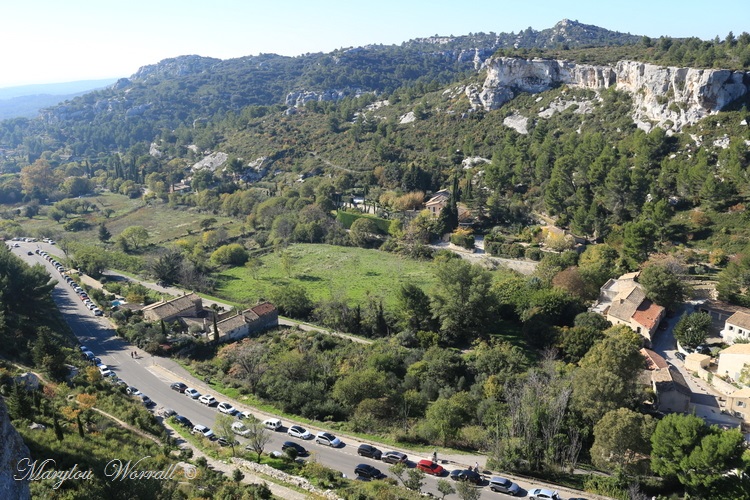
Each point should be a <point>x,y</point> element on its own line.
<point>12,449</point>
<point>300,98</point>
<point>663,96</point>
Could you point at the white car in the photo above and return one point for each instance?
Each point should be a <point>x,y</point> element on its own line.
<point>239,428</point>
<point>299,432</point>
<point>327,439</point>
<point>204,431</point>
<point>207,399</point>
<point>227,408</point>
<point>192,393</point>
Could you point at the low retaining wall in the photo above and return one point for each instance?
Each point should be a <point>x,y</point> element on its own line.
<point>299,482</point>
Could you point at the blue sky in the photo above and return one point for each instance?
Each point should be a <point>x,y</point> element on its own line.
<point>50,41</point>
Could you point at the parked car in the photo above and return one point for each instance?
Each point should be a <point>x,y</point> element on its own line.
<point>146,400</point>
<point>225,442</point>
<point>679,356</point>
<point>273,424</point>
<point>204,431</point>
<point>300,432</point>
<point>301,451</point>
<point>165,412</point>
<point>467,475</point>
<point>132,391</point>
<point>365,470</point>
<point>543,494</point>
<point>327,439</point>
<point>183,421</point>
<point>244,414</point>
<point>178,386</point>
<point>192,393</point>
<point>394,457</point>
<point>430,467</point>
<point>503,485</point>
<point>365,450</point>
<point>239,428</point>
<point>227,408</point>
<point>207,399</point>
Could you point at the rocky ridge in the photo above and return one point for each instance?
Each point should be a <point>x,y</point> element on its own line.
<point>12,449</point>
<point>667,97</point>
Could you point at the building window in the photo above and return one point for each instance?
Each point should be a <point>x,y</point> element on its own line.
<point>731,328</point>
<point>741,404</point>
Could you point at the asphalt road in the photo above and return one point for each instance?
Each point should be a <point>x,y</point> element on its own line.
<point>144,373</point>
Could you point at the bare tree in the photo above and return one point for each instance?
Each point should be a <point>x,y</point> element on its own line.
<point>250,360</point>
<point>223,427</point>
<point>258,436</point>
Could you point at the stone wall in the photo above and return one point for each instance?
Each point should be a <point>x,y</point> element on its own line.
<point>299,482</point>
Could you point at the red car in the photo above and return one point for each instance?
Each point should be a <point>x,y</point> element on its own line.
<point>430,467</point>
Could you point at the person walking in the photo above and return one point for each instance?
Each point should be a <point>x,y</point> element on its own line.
<point>476,466</point>
<point>434,456</point>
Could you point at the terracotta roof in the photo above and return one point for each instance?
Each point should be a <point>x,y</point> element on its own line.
<point>250,315</point>
<point>263,308</point>
<point>653,360</point>
<point>736,349</point>
<point>740,319</point>
<point>173,307</point>
<point>648,314</point>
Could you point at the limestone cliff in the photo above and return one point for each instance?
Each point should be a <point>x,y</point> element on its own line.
<point>12,449</point>
<point>668,97</point>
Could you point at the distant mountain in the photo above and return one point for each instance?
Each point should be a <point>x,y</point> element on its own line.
<point>26,100</point>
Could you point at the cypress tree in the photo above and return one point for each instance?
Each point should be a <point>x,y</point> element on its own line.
<point>80,426</point>
<point>56,424</point>
<point>216,328</point>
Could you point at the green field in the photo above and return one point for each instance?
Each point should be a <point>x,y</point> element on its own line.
<point>163,223</point>
<point>325,270</point>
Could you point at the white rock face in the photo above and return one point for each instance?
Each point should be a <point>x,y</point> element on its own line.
<point>12,450</point>
<point>668,97</point>
<point>517,122</point>
<point>408,118</point>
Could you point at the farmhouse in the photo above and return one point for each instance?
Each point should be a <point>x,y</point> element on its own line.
<point>438,202</point>
<point>628,305</point>
<point>187,306</point>
<point>250,321</point>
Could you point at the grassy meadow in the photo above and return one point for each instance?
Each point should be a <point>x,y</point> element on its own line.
<point>326,270</point>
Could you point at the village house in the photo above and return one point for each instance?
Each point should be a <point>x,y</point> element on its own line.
<point>438,202</point>
<point>732,360</point>
<point>623,302</point>
<point>186,306</point>
<point>670,388</point>
<point>737,405</point>
<point>737,327</point>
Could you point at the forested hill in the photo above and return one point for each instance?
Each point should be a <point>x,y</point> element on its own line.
<point>180,90</point>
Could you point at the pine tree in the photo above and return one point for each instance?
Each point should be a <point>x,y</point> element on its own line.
<point>104,234</point>
<point>19,403</point>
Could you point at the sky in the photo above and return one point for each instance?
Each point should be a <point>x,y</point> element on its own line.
<point>55,41</point>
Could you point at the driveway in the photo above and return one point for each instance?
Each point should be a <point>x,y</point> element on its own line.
<point>704,398</point>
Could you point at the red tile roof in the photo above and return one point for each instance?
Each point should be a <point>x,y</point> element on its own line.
<point>648,314</point>
<point>653,360</point>
<point>263,309</point>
